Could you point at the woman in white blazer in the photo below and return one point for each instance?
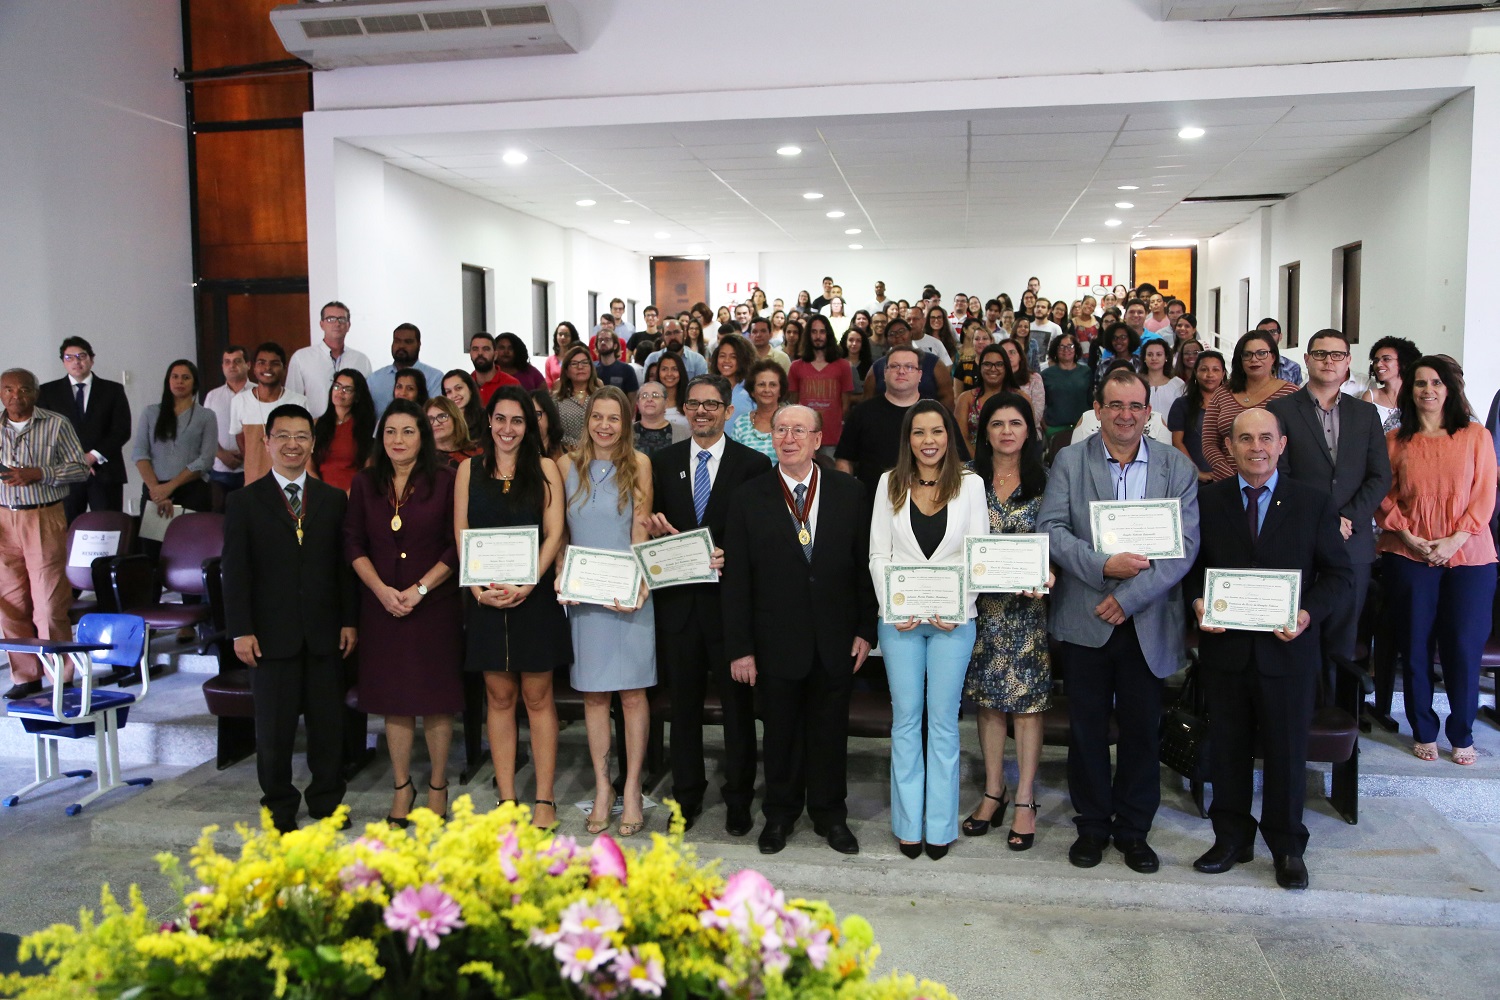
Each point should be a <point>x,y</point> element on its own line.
<point>923,509</point>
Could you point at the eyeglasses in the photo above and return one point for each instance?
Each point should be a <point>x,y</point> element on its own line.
<point>1259,355</point>
<point>341,320</point>
<point>903,368</point>
<point>282,437</point>
<point>1328,355</point>
<point>790,430</point>
<point>706,405</point>
<point>993,365</point>
<point>652,395</point>
<point>343,389</point>
<point>438,418</point>
<point>1116,406</point>
<point>76,356</point>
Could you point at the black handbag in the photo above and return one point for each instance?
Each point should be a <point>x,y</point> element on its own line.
<point>1184,731</point>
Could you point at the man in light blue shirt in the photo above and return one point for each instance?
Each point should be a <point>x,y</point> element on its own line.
<point>1286,369</point>
<point>406,345</point>
<point>671,335</point>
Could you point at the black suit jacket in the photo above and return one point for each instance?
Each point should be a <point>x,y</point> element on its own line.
<point>105,427</point>
<point>1301,531</point>
<point>777,605</point>
<point>672,483</point>
<point>1360,478</point>
<point>285,594</point>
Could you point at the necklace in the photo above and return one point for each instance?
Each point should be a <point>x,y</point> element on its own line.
<point>405,496</point>
<point>600,481</point>
<point>926,482</point>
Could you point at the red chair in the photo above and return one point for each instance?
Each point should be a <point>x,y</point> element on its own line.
<point>95,575</point>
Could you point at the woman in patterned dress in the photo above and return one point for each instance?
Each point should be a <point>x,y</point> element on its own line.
<point>1011,671</point>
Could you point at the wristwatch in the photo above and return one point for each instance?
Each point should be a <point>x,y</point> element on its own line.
<point>421,588</point>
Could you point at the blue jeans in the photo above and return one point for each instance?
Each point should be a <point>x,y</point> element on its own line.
<point>925,668</point>
<point>1452,605</point>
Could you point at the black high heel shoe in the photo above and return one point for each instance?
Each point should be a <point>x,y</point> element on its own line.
<point>1022,841</point>
<point>912,851</point>
<point>937,852</point>
<point>973,826</point>
<point>403,822</point>
<point>440,788</point>
<point>544,802</point>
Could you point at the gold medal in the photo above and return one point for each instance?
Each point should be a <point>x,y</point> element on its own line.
<point>396,523</point>
<point>299,534</point>
<point>804,536</point>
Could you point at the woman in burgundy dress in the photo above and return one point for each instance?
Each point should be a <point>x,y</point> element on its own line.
<point>398,534</point>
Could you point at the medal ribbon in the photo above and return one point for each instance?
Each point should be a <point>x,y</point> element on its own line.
<point>803,523</point>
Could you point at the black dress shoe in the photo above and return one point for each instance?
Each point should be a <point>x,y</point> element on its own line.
<point>773,837</point>
<point>1139,857</point>
<point>912,851</point>
<point>1224,855</point>
<point>936,852</point>
<point>25,689</point>
<point>1291,872</point>
<point>690,815</point>
<point>738,821</point>
<point>1087,851</point>
<point>839,837</point>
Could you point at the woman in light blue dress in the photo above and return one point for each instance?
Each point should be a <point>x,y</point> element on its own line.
<point>608,488</point>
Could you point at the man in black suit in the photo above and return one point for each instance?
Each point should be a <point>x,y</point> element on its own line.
<point>693,481</point>
<point>798,537</point>
<point>1334,442</point>
<point>290,598</point>
<point>100,414</point>
<point>1264,683</point>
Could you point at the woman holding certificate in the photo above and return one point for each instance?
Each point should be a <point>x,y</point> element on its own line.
<point>1439,556</point>
<point>518,633</point>
<point>923,509</point>
<point>1011,669</point>
<point>398,535</point>
<point>608,485</point>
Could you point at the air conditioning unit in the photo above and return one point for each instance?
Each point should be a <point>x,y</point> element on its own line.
<point>1219,10</point>
<point>328,35</point>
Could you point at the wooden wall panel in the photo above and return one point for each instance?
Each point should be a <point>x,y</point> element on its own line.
<point>251,98</point>
<point>251,207</point>
<point>233,33</point>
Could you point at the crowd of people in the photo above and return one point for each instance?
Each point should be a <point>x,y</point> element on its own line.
<point>818,445</point>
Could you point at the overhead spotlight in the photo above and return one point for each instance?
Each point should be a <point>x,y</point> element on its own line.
<point>1112,222</point>
<point>1128,187</point>
<point>622,222</point>
<point>585,203</point>
<point>812,196</point>
<point>856,246</point>
<point>789,150</point>
<point>514,157</point>
<point>663,236</point>
<point>1087,239</point>
<point>1191,132</point>
<point>1124,204</point>
<point>835,215</point>
<point>853,232</point>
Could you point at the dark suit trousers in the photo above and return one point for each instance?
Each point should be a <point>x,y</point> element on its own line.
<point>306,685</point>
<point>1113,677</point>
<point>1341,627</point>
<point>1244,704</point>
<point>91,494</point>
<point>806,720</point>
<point>689,656</point>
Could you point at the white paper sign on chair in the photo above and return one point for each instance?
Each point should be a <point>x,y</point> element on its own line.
<point>91,545</point>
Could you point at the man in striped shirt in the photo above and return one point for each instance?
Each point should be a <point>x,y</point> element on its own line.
<point>40,457</point>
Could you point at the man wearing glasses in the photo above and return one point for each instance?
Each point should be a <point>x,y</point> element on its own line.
<point>692,483</point>
<point>1119,619</point>
<point>870,439</point>
<point>1286,369</point>
<point>311,370</point>
<point>100,415</point>
<point>1335,443</point>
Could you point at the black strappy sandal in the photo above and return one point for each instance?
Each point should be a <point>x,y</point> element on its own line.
<point>444,789</point>
<point>544,802</point>
<point>404,822</point>
<point>976,827</point>
<point>1022,841</point>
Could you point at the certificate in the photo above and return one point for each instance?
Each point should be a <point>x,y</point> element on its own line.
<point>1006,564</point>
<point>1150,528</point>
<point>1253,600</point>
<point>677,559</point>
<point>923,591</point>
<point>599,576</point>
<point>498,555</point>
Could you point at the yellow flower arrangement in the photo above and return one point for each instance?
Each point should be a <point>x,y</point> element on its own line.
<point>483,905</point>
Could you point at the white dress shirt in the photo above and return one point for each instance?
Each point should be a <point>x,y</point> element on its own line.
<point>88,391</point>
<point>311,372</point>
<point>817,500</point>
<point>716,450</point>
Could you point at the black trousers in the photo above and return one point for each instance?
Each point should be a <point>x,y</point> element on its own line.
<point>309,686</point>
<point>1341,627</point>
<point>91,494</point>
<point>689,656</point>
<point>1114,676</point>
<point>1244,704</point>
<point>806,720</point>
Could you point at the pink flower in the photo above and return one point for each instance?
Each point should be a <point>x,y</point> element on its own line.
<point>424,914</point>
<point>510,853</point>
<point>817,948</point>
<point>562,851</point>
<point>545,938</point>
<point>358,875</point>
<point>371,843</point>
<point>642,977</point>
<point>586,916</point>
<point>580,954</point>
<point>747,884</point>
<point>606,860</point>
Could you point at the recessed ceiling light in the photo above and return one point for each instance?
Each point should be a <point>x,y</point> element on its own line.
<point>585,203</point>
<point>622,222</point>
<point>812,196</point>
<point>1124,204</point>
<point>1087,239</point>
<point>856,246</point>
<point>853,232</point>
<point>1191,132</point>
<point>1128,187</point>
<point>514,157</point>
<point>1112,222</point>
<point>663,236</point>
<point>835,214</point>
<point>789,150</point>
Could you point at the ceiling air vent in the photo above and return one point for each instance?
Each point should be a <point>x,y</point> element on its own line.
<point>330,35</point>
<point>1258,10</point>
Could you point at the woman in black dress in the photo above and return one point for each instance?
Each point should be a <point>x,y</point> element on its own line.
<point>517,635</point>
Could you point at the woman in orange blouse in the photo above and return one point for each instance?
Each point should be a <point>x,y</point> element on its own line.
<point>1438,561</point>
<point>1252,384</point>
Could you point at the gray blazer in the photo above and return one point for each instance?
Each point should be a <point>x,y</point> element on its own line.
<point>1362,476</point>
<point>1153,598</point>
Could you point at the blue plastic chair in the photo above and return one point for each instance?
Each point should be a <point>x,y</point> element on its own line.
<point>72,713</point>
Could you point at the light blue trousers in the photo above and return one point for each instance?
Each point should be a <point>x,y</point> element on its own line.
<point>926,669</point>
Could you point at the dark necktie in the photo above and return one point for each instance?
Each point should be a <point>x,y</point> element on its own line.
<point>294,498</point>
<point>78,399</point>
<point>801,500</point>
<point>1252,510</point>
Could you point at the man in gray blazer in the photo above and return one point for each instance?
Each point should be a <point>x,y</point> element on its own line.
<point>1335,442</point>
<point>1120,619</point>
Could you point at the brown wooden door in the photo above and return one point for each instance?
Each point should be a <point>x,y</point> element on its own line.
<point>677,284</point>
<point>1173,270</point>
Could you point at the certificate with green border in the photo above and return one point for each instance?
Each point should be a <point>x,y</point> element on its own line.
<point>599,576</point>
<point>1251,600</point>
<point>673,560</point>
<point>1150,528</point>
<point>1007,564</point>
<point>925,590</point>
<point>498,555</point>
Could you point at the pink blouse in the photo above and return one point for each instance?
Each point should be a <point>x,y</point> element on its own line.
<point>1441,484</point>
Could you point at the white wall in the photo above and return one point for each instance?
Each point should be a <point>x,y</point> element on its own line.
<point>93,166</point>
